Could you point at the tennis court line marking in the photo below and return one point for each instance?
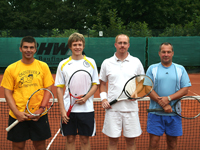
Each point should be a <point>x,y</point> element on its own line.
<point>193,93</point>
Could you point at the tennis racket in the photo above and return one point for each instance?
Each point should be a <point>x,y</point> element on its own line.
<point>32,106</point>
<point>79,85</point>
<point>187,107</point>
<point>136,87</point>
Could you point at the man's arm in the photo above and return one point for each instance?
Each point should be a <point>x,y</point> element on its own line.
<point>182,92</point>
<point>46,96</point>
<point>45,100</point>
<point>103,88</point>
<point>88,95</point>
<point>154,96</point>
<point>63,112</point>
<point>21,116</point>
<point>164,102</point>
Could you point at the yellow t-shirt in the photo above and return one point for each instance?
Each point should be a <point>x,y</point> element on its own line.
<point>24,79</point>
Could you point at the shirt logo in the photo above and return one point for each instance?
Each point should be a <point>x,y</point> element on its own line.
<point>86,64</point>
<point>26,78</point>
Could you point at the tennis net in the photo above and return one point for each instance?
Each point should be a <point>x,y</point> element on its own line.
<point>189,140</point>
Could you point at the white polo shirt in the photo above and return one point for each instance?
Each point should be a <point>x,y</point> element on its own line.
<point>64,71</point>
<point>117,72</point>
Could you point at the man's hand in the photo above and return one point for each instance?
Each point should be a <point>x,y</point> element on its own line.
<point>22,116</point>
<point>167,109</point>
<point>81,100</point>
<point>65,118</point>
<point>163,101</point>
<point>105,104</point>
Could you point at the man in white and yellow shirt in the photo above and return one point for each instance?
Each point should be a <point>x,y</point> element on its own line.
<point>81,120</point>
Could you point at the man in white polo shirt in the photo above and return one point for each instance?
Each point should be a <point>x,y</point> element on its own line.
<point>122,115</point>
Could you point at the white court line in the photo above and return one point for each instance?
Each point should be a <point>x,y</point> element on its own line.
<point>196,83</point>
<point>193,93</point>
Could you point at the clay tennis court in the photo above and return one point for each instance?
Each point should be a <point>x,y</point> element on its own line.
<point>189,140</point>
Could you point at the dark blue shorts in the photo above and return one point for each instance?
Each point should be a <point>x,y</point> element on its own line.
<point>171,125</point>
<point>34,130</point>
<point>80,123</point>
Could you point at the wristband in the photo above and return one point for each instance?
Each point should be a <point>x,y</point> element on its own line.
<point>103,95</point>
<point>43,107</point>
<point>169,98</point>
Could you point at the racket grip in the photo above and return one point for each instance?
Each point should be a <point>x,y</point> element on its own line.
<point>154,110</point>
<point>12,125</point>
<point>113,102</point>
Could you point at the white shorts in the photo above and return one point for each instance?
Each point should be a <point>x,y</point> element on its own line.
<point>116,121</point>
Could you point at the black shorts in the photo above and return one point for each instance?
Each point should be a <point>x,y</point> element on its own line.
<point>34,130</point>
<point>80,123</point>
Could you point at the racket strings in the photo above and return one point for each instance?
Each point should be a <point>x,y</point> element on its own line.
<point>80,83</point>
<point>138,87</point>
<point>190,108</point>
<point>130,87</point>
<point>35,101</point>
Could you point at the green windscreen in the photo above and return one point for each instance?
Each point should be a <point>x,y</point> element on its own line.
<point>102,48</point>
<point>53,50</point>
<point>186,50</point>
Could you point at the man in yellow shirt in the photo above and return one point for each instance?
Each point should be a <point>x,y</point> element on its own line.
<point>20,80</point>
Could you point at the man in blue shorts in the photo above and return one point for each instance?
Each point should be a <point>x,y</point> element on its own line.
<point>171,82</point>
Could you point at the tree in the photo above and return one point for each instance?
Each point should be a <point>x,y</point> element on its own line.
<point>95,14</point>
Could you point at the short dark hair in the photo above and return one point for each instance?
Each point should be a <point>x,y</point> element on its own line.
<point>166,43</point>
<point>28,39</point>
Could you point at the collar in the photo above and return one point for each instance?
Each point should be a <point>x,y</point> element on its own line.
<point>168,66</point>
<point>126,59</point>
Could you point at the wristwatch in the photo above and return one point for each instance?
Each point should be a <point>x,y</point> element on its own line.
<point>169,98</point>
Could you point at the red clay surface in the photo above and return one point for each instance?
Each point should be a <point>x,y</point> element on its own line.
<point>189,140</point>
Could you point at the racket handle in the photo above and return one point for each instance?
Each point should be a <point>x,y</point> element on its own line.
<point>113,102</point>
<point>53,139</point>
<point>69,111</point>
<point>154,110</point>
<point>12,125</point>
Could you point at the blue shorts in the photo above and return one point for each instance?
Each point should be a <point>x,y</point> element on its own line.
<point>80,123</point>
<point>170,125</point>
